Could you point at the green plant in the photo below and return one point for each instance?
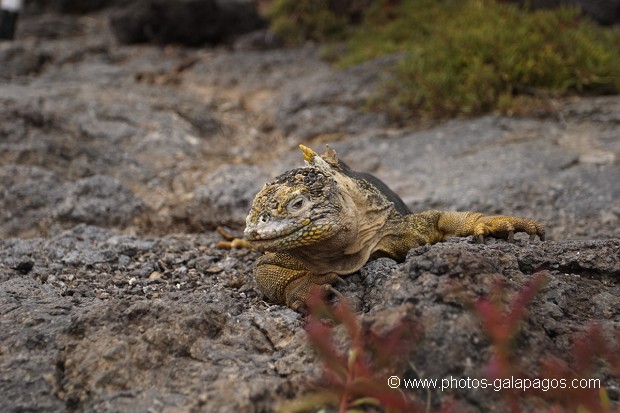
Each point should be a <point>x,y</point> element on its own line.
<point>299,20</point>
<point>488,53</point>
<point>470,56</point>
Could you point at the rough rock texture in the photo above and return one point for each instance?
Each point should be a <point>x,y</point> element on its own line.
<point>35,198</point>
<point>107,151</point>
<point>97,310</point>
<point>226,197</point>
<point>93,320</point>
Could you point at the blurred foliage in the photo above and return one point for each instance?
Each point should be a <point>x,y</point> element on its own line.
<point>319,20</point>
<point>355,370</point>
<point>463,56</point>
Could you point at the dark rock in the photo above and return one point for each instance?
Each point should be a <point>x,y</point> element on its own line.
<point>603,11</point>
<point>106,340</point>
<point>53,146</point>
<point>188,22</point>
<point>8,23</point>
<point>23,265</point>
<point>68,6</point>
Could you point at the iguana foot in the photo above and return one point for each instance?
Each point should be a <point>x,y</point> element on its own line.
<point>505,227</point>
<point>462,224</point>
<point>231,240</point>
<point>298,291</point>
<point>285,280</point>
<point>235,243</point>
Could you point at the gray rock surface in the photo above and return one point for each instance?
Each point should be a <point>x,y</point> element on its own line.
<point>96,321</point>
<point>116,163</point>
<point>328,102</point>
<point>98,200</point>
<point>35,199</point>
<point>226,197</point>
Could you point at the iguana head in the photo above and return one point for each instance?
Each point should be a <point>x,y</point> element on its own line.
<point>298,208</point>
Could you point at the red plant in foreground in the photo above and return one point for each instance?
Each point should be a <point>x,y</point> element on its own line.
<point>355,378</point>
<point>352,375</point>
<point>501,324</point>
<point>357,364</point>
<point>589,350</point>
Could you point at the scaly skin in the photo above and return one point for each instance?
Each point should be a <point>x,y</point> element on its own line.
<point>322,221</point>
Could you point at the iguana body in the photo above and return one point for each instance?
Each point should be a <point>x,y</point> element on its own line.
<point>322,221</point>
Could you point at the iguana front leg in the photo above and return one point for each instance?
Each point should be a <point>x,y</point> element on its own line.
<point>285,280</point>
<point>462,224</point>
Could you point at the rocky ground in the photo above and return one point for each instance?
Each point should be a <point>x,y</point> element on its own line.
<point>118,162</point>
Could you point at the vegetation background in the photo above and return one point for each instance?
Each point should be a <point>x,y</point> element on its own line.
<point>461,57</point>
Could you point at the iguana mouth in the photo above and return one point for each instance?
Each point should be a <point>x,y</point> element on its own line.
<point>272,230</point>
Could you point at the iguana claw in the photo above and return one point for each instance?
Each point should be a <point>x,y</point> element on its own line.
<point>328,288</point>
<point>231,240</point>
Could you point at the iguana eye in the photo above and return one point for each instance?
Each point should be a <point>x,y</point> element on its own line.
<point>296,204</point>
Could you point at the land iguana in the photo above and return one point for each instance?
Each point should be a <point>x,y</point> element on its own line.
<point>323,221</point>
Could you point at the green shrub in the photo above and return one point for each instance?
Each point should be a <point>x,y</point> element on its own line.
<point>298,20</point>
<point>474,56</point>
